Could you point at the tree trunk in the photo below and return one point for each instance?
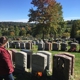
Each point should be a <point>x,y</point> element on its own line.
<point>43,36</point>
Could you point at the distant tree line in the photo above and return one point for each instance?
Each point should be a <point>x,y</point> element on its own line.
<point>14,29</point>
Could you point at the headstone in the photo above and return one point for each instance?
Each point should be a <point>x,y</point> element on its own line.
<point>14,51</point>
<point>20,62</point>
<point>37,42</point>
<point>34,42</point>
<point>73,60</point>
<point>41,46</point>
<point>29,58</point>
<point>64,46</point>
<point>69,43</point>
<point>22,45</point>
<point>39,62</point>
<point>17,45</point>
<point>55,46</point>
<point>28,45</point>
<point>49,59</point>
<point>62,67</point>
<point>12,44</point>
<point>10,52</point>
<point>7,45</point>
<point>73,47</point>
<point>48,46</point>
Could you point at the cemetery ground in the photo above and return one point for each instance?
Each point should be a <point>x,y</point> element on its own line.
<point>28,76</point>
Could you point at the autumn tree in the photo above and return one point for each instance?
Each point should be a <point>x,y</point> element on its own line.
<point>22,32</point>
<point>78,33</point>
<point>12,33</point>
<point>11,28</point>
<point>47,14</point>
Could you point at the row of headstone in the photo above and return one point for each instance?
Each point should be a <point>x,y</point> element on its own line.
<point>57,40</point>
<point>57,46</point>
<point>25,60</point>
<point>20,45</point>
<point>61,65</point>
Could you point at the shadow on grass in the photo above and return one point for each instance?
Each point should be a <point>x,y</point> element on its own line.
<point>29,76</point>
<point>22,76</point>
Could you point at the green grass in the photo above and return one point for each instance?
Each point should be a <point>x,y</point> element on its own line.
<point>77,66</point>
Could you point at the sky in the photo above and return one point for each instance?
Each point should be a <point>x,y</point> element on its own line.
<point>18,10</point>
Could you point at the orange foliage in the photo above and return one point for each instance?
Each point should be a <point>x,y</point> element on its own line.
<point>29,28</point>
<point>12,33</point>
<point>23,28</point>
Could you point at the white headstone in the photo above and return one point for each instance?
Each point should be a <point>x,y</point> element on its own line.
<point>29,58</point>
<point>39,62</point>
<point>49,59</point>
<point>21,61</point>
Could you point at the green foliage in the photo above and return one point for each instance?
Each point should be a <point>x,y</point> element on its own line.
<point>78,33</point>
<point>5,33</point>
<point>38,29</point>
<point>72,78</point>
<point>22,32</point>
<point>47,15</point>
<point>17,31</point>
<point>66,35</point>
<point>75,28</point>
